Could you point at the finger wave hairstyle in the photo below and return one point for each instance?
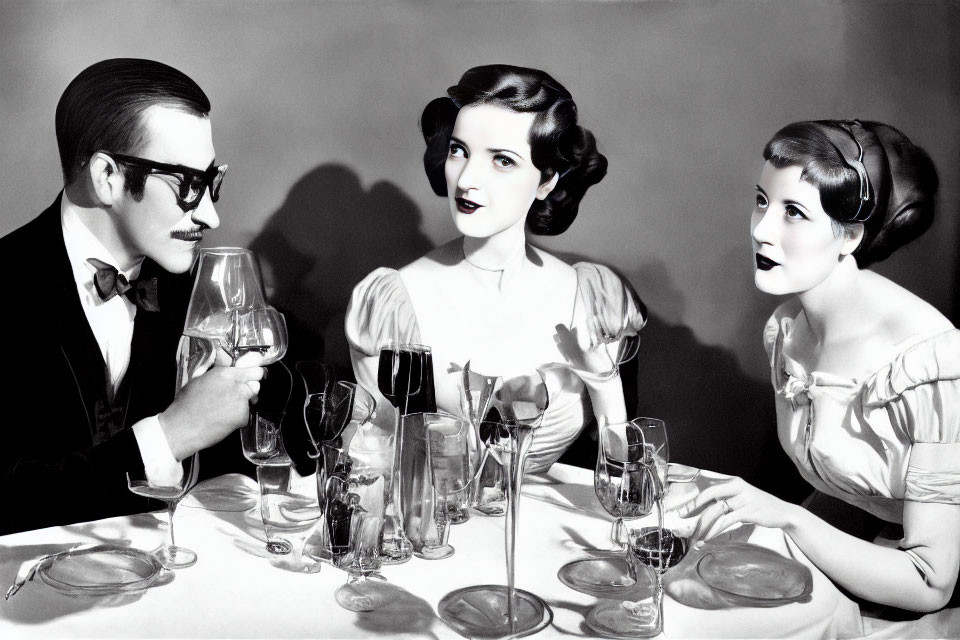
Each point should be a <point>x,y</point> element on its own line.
<point>557,143</point>
<point>901,184</point>
<point>102,110</point>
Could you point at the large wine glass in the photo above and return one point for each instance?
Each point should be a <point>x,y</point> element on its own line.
<point>227,284</point>
<point>170,555</point>
<point>193,358</point>
<point>634,479</point>
<point>505,610</point>
<point>621,487</point>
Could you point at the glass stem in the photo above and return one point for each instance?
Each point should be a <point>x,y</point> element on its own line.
<point>513,486</point>
<point>171,507</point>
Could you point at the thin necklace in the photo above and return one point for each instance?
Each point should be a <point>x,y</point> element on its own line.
<point>482,268</point>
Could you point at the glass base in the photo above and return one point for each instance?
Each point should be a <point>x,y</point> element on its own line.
<point>481,612</point>
<point>626,619</point>
<point>279,547</point>
<point>435,553</point>
<point>173,557</point>
<point>461,516</point>
<point>600,577</point>
<point>396,551</point>
<point>363,594</point>
<point>493,509</point>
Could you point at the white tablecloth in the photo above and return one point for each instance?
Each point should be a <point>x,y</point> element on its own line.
<point>236,591</point>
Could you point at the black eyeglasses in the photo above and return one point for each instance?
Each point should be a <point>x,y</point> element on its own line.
<point>191,182</point>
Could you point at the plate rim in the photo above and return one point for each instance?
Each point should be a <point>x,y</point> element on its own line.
<point>73,589</point>
<point>807,584</point>
<point>596,588</point>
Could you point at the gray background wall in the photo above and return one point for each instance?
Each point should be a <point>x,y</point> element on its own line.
<point>316,107</point>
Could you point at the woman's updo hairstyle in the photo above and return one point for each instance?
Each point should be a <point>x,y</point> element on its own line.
<point>557,143</point>
<point>866,172</point>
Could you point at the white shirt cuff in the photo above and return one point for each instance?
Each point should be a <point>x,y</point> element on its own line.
<point>161,467</point>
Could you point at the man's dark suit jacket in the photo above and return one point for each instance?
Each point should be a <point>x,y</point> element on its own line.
<point>65,446</point>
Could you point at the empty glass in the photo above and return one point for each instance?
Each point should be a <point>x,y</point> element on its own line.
<point>451,472</point>
<point>170,555</point>
<point>505,610</point>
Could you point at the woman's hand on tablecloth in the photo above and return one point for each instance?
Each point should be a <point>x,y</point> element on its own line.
<point>728,502</point>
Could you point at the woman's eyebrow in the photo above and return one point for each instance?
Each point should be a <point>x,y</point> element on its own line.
<point>799,205</point>
<point>510,151</point>
<point>760,189</point>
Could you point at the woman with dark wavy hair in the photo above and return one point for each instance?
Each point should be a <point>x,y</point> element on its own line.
<point>505,149</point>
<point>866,374</point>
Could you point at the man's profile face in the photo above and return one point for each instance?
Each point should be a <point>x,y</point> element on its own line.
<point>155,226</point>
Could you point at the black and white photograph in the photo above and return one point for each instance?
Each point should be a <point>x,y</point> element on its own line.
<point>480,319</point>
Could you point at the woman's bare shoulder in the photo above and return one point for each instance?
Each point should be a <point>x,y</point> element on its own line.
<point>902,314</point>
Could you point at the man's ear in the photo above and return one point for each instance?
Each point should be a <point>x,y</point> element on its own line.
<point>545,188</point>
<point>105,178</point>
<point>853,235</point>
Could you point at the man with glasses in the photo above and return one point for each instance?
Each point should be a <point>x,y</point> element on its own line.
<point>99,289</point>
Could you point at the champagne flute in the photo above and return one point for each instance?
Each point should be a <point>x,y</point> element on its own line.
<point>521,401</point>
<point>477,396</point>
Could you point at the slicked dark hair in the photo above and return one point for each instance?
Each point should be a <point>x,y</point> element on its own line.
<point>902,179</point>
<point>102,109</point>
<point>557,143</point>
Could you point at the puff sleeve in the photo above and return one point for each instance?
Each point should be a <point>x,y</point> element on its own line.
<point>920,394</point>
<point>379,312</point>
<point>610,299</point>
<point>610,306</point>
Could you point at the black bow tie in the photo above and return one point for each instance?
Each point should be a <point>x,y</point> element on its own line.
<point>109,282</point>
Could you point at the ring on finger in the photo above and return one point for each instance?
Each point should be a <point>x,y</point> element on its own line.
<point>725,506</point>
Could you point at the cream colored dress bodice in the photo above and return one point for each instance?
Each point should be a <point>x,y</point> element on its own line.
<point>519,338</point>
<point>893,435</point>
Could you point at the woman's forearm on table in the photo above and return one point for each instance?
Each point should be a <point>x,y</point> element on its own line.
<point>868,570</point>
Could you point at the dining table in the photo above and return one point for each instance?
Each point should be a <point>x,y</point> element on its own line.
<point>237,589</point>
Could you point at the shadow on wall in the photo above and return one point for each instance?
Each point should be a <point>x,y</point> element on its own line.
<point>718,417</point>
<point>328,234</point>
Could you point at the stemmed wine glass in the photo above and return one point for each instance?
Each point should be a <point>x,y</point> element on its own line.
<point>618,477</point>
<point>521,402</point>
<point>227,281</point>
<point>635,477</point>
<point>228,317</point>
